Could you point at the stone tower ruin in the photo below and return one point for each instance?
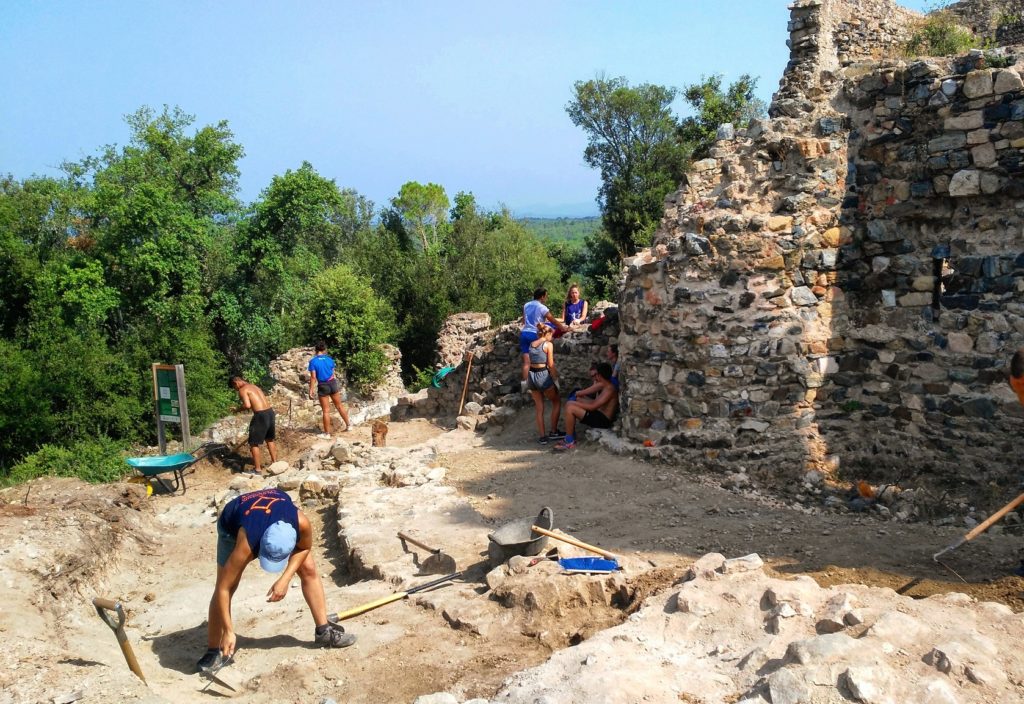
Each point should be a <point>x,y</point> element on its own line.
<point>839,287</point>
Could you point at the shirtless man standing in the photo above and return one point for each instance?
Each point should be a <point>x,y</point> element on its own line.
<point>597,412</point>
<point>261,427</point>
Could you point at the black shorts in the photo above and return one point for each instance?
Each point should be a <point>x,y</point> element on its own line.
<point>327,388</point>
<point>261,427</point>
<point>596,419</point>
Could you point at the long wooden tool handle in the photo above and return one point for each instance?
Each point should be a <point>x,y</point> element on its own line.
<point>983,526</point>
<point>370,606</point>
<point>573,541</point>
<point>408,539</point>
<point>465,383</point>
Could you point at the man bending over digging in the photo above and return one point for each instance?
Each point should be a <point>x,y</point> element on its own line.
<point>265,524</point>
<point>598,412</point>
<point>262,427</point>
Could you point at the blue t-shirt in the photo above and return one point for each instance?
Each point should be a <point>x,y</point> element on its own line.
<point>257,511</point>
<point>323,367</point>
<point>533,312</point>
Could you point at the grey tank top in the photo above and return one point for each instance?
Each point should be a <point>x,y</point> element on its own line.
<point>538,355</point>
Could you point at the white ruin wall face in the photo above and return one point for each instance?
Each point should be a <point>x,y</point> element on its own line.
<point>839,287</point>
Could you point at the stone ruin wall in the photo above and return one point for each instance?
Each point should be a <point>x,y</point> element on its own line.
<point>839,288</point>
<point>493,390</point>
<point>1000,22</point>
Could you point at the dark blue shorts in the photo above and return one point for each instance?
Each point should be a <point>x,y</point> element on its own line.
<point>525,338</point>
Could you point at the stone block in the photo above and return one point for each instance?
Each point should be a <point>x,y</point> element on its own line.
<point>915,299</point>
<point>870,685</point>
<point>978,136</point>
<point>1007,81</point>
<point>978,84</point>
<point>803,296</point>
<point>747,563</point>
<point>984,155</point>
<point>965,121</point>
<point>787,686</point>
<point>777,223</point>
<point>923,283</point>
<point>947,142</point>
<point>965,183</point>
<point>990,182</point>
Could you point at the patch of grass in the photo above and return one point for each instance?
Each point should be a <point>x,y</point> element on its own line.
<point>941,35</point>
<point>95,461</point>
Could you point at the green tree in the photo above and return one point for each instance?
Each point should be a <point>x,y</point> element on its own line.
<point>714,107</point>
<point>423,210</point>
<point>632,139</point>
<point>345,311</point>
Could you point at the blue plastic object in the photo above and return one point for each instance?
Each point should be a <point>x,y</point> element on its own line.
<point>588,564</point>
<point>439,377</point>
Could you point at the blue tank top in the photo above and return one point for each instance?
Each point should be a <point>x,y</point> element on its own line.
<point>573,311</point>
<point>323,367</point>
<point>256,512</point>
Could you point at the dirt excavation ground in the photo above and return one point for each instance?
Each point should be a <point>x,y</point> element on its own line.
<point>66,542</point>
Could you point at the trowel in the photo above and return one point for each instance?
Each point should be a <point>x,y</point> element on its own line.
<point>438,562</point>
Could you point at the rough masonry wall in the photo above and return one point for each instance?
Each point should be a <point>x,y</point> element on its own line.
<point>837,289</point>
<point>493,391</point>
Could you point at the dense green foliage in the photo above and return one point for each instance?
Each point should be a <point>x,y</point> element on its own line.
<point>562,229</point>
<point>642,150</point>
<point>143,253</point>
<point>941,34</point>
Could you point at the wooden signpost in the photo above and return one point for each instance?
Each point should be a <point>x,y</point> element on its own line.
<point>171,403</point>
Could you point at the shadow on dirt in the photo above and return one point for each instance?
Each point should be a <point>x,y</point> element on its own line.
<point>180,650</point>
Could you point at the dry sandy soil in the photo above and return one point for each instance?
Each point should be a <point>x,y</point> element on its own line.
<point>65,542</point>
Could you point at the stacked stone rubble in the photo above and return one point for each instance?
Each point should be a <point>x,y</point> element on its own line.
<point>496,370</point>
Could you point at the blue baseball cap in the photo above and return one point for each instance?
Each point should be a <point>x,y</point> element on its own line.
<point>276,546</point>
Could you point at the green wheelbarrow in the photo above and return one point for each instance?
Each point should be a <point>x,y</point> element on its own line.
<point>151,468</point>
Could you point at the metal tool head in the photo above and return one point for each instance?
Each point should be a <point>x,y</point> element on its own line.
<point>439,562</point>
<point>212,676</point>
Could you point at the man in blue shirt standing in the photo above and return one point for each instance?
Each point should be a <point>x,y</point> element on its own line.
<point>324,383</point>
<point>266,525</point>
<point>534,312</point>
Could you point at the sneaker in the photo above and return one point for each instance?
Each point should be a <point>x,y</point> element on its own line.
<point>333,636</point>
<point>324,436</point>
<point>565,446</point>
<point>543,439</point>
<point>556,435</point>
<point>211,661</point>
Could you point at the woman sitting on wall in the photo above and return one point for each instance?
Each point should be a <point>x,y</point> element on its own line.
<point>543,382</point>
<point>574,310</point>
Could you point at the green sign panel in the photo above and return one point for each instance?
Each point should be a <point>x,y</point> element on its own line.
<point>168,397</point>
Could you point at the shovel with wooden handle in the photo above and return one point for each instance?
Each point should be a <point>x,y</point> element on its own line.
<point>574,541</point>
<point>981,527</point>
<point>102,607</point>
<point>438,562</point>
<point>384,601</point>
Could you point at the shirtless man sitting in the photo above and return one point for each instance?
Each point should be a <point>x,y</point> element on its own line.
<point>597,412</point>
<point>261,427</point>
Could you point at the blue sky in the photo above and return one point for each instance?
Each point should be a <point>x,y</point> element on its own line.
<point>470,94</point>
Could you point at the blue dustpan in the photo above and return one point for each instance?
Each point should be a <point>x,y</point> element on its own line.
<point>584,565</point>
